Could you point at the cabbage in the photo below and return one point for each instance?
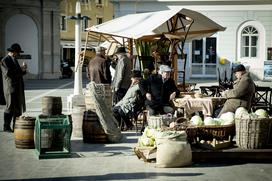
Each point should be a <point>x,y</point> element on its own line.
<point>240,111</point>
<point>218,121</point>
<point>209,121</point>
<point>228,118</point>
<point>196,120</point>
<point>261,113</point>
<point>145,141</point>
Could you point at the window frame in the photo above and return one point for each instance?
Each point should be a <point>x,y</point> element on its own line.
<point>248,33</point>
<point>63,23</point>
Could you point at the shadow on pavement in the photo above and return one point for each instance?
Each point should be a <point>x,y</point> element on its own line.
<point>121,176</point>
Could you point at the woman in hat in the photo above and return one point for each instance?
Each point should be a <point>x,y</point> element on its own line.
<point>13,85</point>
<point>130,103</point>
<point>242,93</point>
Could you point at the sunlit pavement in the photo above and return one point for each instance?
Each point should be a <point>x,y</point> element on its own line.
<point>105,161</point>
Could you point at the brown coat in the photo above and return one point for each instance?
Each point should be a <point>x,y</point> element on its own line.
<point>99,71</point>
<point>240,96</point>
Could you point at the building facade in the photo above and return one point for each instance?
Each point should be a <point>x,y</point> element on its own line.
<point>99,11</point>
<point>34,24</point>
<point>247,38</point>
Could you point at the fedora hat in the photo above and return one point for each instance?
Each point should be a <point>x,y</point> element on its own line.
<point>15,48</point>
<point>136,74</point>
<point>120,50</point>
<point>239,68</point>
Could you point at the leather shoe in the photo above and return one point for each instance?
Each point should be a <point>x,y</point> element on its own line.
<point>8,130</point>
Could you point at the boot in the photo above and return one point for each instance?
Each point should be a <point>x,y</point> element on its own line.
<point>7,121</point>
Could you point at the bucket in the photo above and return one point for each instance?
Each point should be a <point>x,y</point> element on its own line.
<point>93,131</point>
<point>77,119</point>
<point>103,90</point>
<point>51,105</point>
<point>24,132</point>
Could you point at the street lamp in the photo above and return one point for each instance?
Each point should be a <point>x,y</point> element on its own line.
<point>77,97</point>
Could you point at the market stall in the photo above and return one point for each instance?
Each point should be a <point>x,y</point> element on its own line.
<point>172,27</point>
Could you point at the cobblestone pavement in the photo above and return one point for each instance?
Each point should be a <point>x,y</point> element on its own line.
<point>105,161</point>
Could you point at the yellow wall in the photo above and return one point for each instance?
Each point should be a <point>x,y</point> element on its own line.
<point>90,9</point>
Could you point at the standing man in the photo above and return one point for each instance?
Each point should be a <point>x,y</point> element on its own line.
<point>121,81</point>
<point>242,93</point>
<point>98,68</point>
<point>13,85</point>
<point>159,90</point>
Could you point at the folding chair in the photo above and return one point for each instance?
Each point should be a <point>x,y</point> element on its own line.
<point>262,99</point>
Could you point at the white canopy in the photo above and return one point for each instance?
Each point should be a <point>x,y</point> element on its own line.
<point>153,24</point>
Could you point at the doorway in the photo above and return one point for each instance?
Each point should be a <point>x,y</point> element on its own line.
<point>204,57</point>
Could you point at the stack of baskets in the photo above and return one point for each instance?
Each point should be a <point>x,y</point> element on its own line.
<point>253,133</point>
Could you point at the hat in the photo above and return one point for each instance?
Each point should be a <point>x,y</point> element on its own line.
<point>165,68</point>
<point>136,73</point>
<point>15,48</point>
<point>120,50</point>
<point>239,68</point>
<point>99,49</point>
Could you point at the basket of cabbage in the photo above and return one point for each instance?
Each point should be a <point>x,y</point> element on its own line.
<point>253,130</point>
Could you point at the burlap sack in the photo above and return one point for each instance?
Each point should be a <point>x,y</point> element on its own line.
<point>173,151</point>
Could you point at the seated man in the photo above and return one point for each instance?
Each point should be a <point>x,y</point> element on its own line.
<point>242,93</point>
<point>130,103</point>
<point>159,90</point>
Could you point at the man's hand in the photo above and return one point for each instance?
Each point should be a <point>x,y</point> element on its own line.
<point>173,96</point>
<point>148,96</point>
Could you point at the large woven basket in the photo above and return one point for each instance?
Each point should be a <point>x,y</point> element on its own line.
<point>253,133</point>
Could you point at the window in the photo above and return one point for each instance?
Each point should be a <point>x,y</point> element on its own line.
<point>249,42</point>
<point>85,24</point>
<point>99,20</point>
<point>63,23</point>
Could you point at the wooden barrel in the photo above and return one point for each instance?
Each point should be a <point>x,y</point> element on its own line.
<point>51,105</point>
<point>24,132</point>
<point>103,90</point>
<point>92,128</point>
<point>77,119</point>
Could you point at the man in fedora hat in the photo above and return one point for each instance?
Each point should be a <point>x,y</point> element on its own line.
<point>130,103</point>
<point>98,68</point>
<point>121,80</point>
<point>242,93</point>
<point>13,84</point>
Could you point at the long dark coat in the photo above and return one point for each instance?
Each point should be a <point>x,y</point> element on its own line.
<point>241,95</point>
<point>2,98</point>
<point>99,70</point>
<point>160,92</point>
<point>13,85</point>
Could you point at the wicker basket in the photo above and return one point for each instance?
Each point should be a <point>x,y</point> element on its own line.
<point>253,133</point>
<point>159,121</point>
<point>218,132</point>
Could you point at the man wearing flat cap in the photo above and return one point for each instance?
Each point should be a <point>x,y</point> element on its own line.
<point>159,90</point>
<point>121,80</point>
<point>13,84</point>
<point>98,68</point>
<point>130,103</point>
<point>242,93</point>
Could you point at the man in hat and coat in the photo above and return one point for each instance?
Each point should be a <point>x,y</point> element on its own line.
<point>159,90</point>
<point>121,81</point>
<point>98,68</point>
<point>130,103</point>
<point>13,84</point>
<point>242,93</point>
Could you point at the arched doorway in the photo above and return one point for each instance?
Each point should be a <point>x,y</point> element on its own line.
<point>22,29</point>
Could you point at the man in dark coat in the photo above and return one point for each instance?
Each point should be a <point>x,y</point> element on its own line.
<point>13,84</point>
<point>98,68</point>
<point>159,90</point>
<point>242,93</point>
